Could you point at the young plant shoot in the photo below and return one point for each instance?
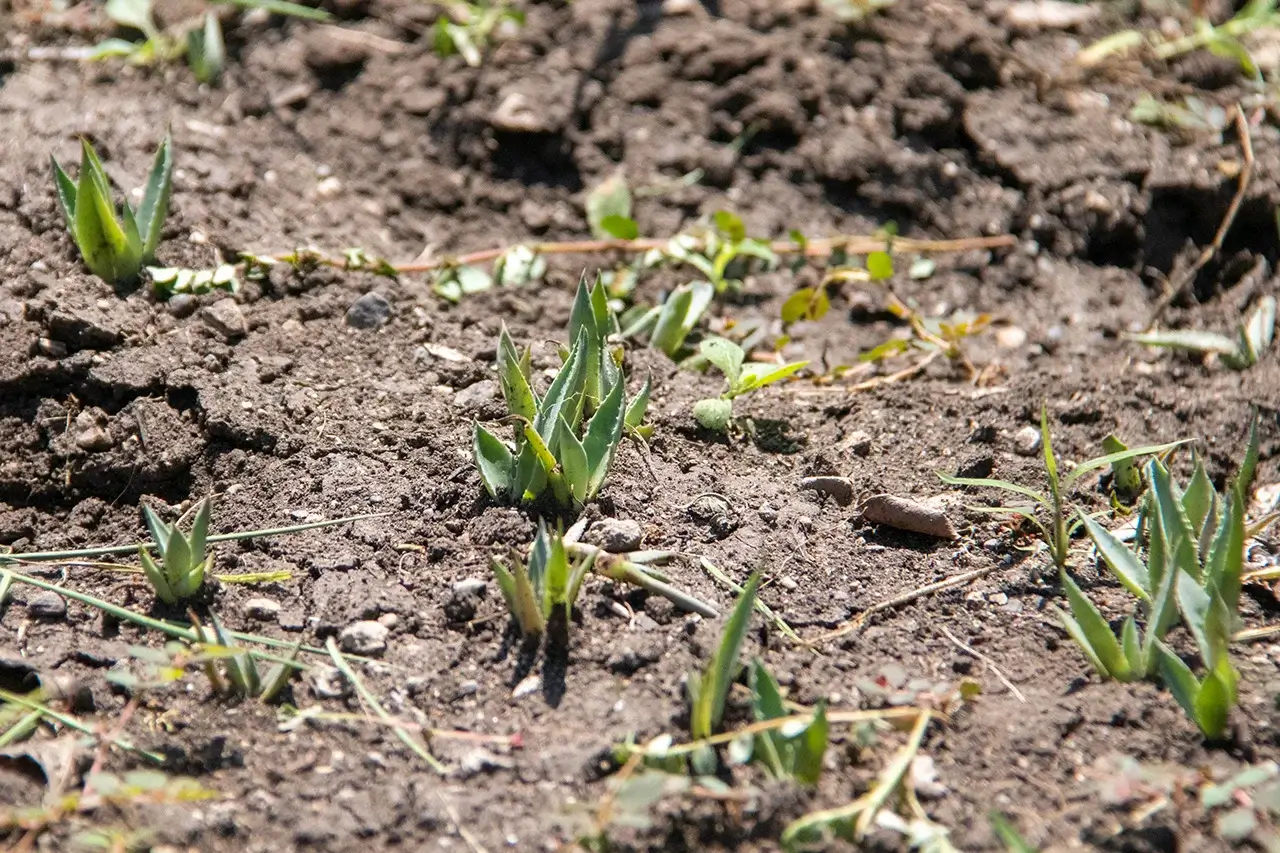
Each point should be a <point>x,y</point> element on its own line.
<point>547,588</point>
<point>716,413</point>
<point>556,448</point>
<point>1056,531</point>
<point>183,559</point>
<point>115,244</point>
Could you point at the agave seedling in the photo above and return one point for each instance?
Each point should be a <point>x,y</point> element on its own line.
<point>183,558</point>
<point>114,244</point>
<point>793,752</point>
<point>548,585</point>
<point>716,413</point>
<point>1057,530</point>
<point>546,588</point>
<point>709,689</point>
<point>554,449</point>
<point>240,675</point>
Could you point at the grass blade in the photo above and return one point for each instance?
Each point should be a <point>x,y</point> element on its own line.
<point>981,483</point>
<point>723,667</point>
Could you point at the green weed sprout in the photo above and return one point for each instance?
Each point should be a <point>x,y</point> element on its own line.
<point>547,588</point>
<point>240,675</point>
<point>467,28</point>
<point>1057,529</point>
<point>793,752</point>
<point>709,689</point>
<point>183,559</point>
<point>554,450</point>
<point>669,324</point>
<point>542,592</point>
<point>114,245</point>
<point>1252,339</point>
<point>716,413</point>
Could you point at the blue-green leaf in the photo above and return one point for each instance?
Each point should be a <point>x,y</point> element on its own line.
<point>573,462</point>
<point>155,198</point>
<point>564,397</point>
<point>1125,564</point>
<point>604,433</point>
<point>494,461</point>
<point>1100,638</point>
<point>726,355</point>
<point>66,196</point>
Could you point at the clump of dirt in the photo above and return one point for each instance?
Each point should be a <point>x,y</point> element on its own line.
<point>936,116</point>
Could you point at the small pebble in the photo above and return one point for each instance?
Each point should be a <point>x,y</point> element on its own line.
<point>465,599</point>
<point>532,684</point>
<point>476,395</point>
<point>615,535</point>
<point>262,609</point>
<point>47,605</point>
<point>839,489</point>
<point>1026,441</point>
<point>226,318</point>
<point>371,311</point>
<point>364,638</point>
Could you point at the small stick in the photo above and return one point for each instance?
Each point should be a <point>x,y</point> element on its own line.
<point>822,248</point>
<point>1175,290</point>
<point>856,623</point>
<point>990,663</point>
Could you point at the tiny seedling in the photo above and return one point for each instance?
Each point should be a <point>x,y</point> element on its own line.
<point>1057,529</point>
<point>793,752</point>
<point>1252,339</point>
<point>183,558</point>
<point>609,210</point>
<point>1192,115</point>
<point>554,449</point>
<point>546,589</point>
<point>669,324</point>
<point>1221,39</point>
<point>709,689</point>
<point>114,244</point>
<point>1126,477</point>
<point>168,281</point>
<point>716,413</point>
<point>239,674</point>
<point>467,28</point>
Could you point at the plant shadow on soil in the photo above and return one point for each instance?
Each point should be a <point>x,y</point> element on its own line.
<point>927,117</point>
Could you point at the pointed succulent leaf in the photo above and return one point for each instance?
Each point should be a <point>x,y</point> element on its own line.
<point>494,461</point>
<point>1163,612</point>
<point>1224,565</point>
<point>1195,604</point>
<point>574,462</point>
<point>1248,465</point>
<point>1178,677</point>
<point>516,391</point>
<point>1101,639</point>
<point>1123,563</point>
<point>639,404</point>
<point>556,585</point>
<point>1213,706</point>
<point>66,190</point>
<point>1132,647</point>
<point>604,433</point>
<point>177,559</point>
<point>528,612</point>
<point>1197,498</point>
<point>539,559</point>
<point>155,198</point>
<point>200,531</point>
<point>531,475</point>
<point>564,397</point>
<point>156,577</point>
<point>99,236</point>
<point>160,531</point>
<point>1174,523</point>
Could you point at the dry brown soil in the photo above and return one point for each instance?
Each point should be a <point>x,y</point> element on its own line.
<point>934,114</point>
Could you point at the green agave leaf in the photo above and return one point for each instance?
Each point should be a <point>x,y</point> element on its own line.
<point>156,577</point>
<point>1213,706</point>
<point>1162,615</point>
<point>206,50</point>
<point>680,313</point>
<point>513,378</point>
<point>1197,498</point>
<point>1175,525</point>
<point>1194,341</point>
<point>639,404</point>
<point>556,585</point>
<point>1179,679</point>
<point>155,197</point>
<point>574,462</point>
<point>100,237</point>
<point>726,355</point>
<point>66,195</point>
<point>582,325</point>
<point>604,433</point>
<point>1124,564</point>
<point>1248,465</point>
<point>494,461</point>
<point>1224,566</point>
<point>200,530</point>
<point>766,704</point>
<point>1195,604</point>
<point>722,668</point>
<point>1132,648</point>
<point>160,531</point>
<point>564,397</point>
<point>506,582</point>
<point>1095,630</point>
<point>528,607</point>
